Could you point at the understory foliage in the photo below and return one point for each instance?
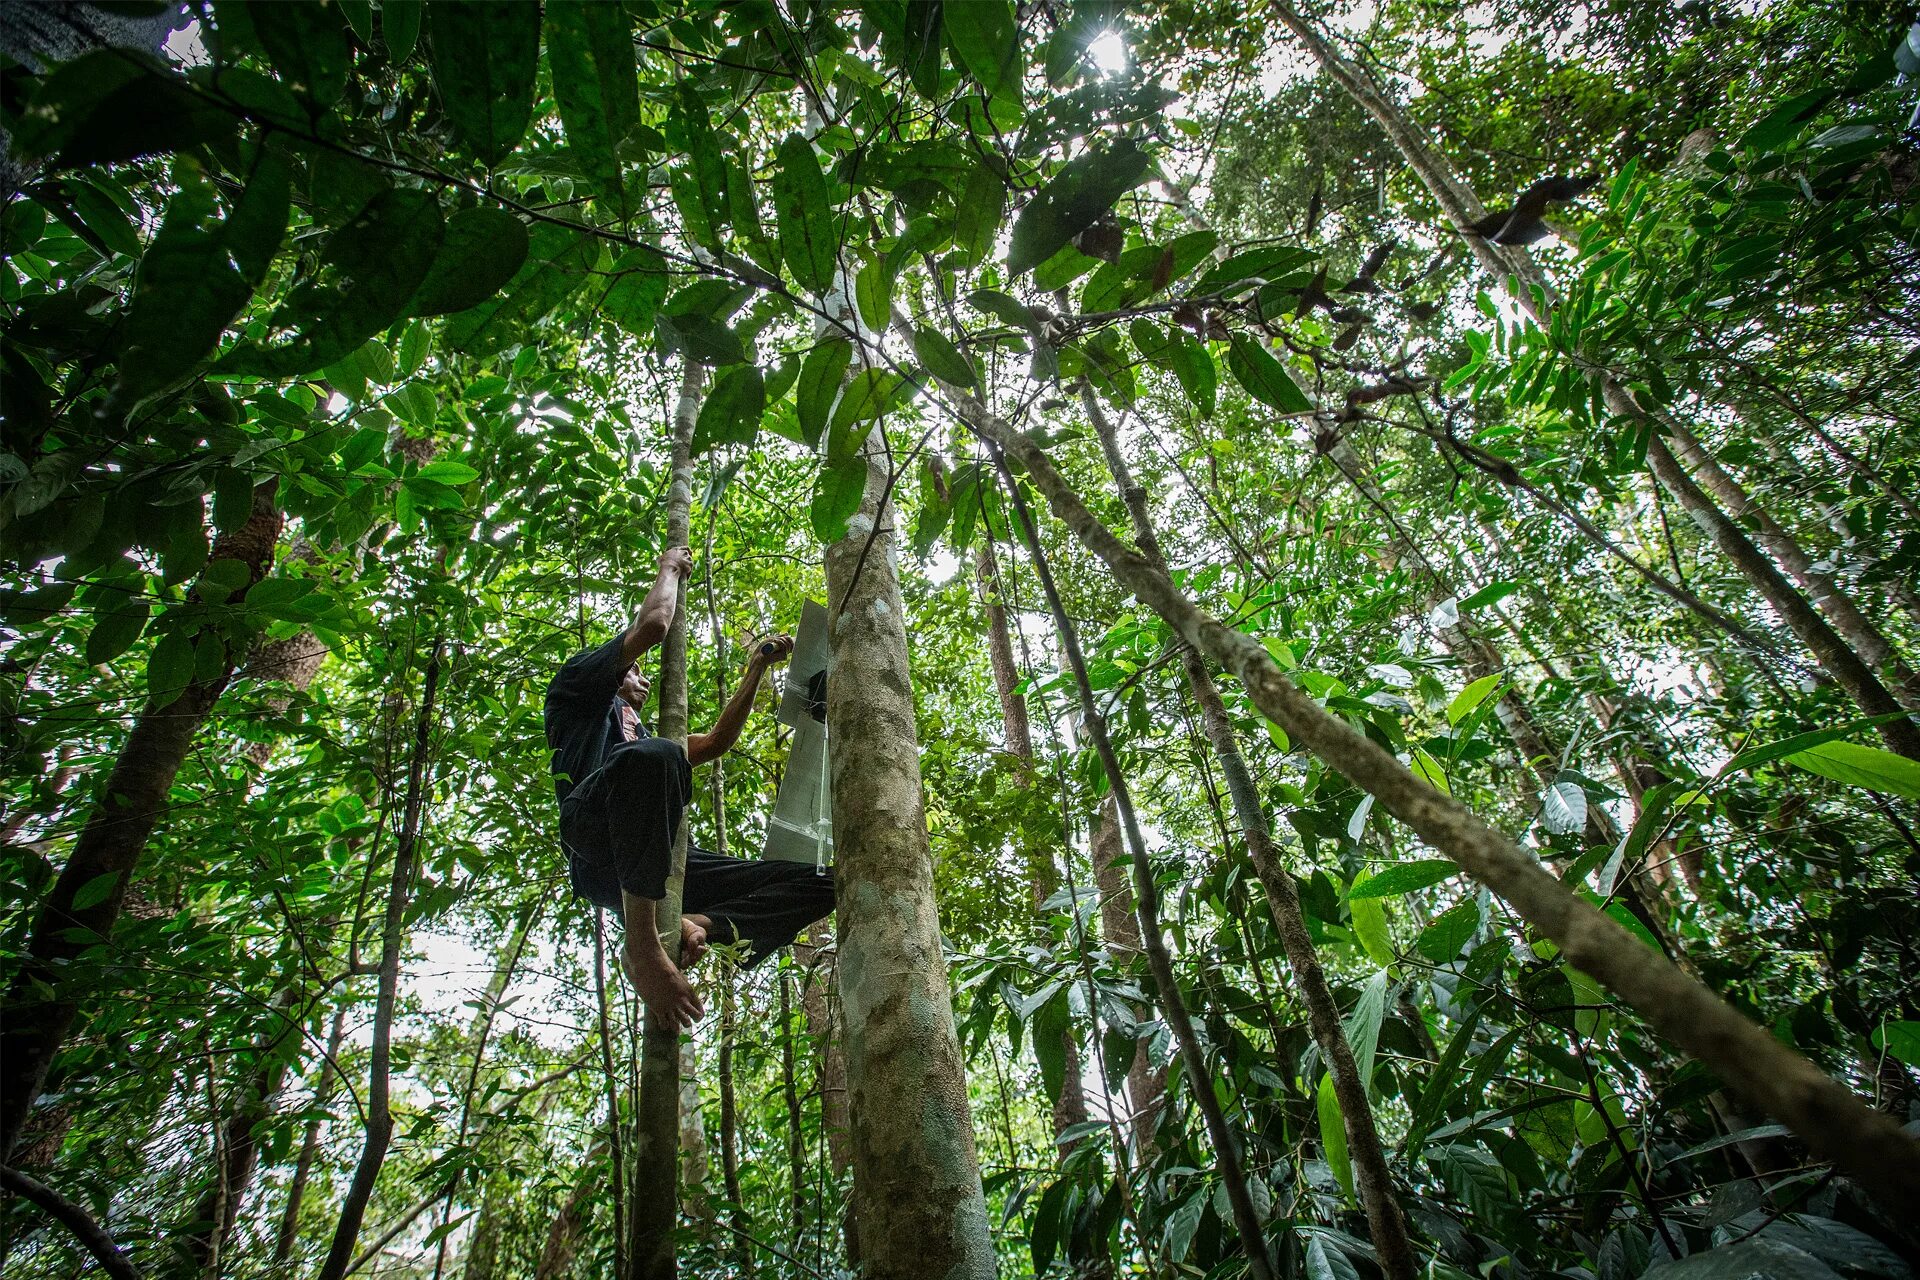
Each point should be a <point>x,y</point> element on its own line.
<point>424,278</point>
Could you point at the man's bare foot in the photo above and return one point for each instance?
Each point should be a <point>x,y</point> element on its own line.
<point>693,939</point>
<point>664,988</point>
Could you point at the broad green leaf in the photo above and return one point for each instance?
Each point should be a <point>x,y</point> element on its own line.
<point>1780,749</point>
<point>1901,1039</point>
<point>987,39</point>
<point>1363,1025</point>
<point>1324,1261</point>
<point>983,206</point>
<point>808,235</point>
<point>1403,877</point>
<point>730,414</point>
<point>1784,123</point>
<point>942,359</point>
<point>1050,1028</point>
<point>368,273</point>
<point>639,284</point>
<point>820,378</point>
<point>1862,766</point>
<point>117,622</point>
<point>400,28</point>
<point>96,890</point>
<point>1264,377</point>
<point>112,105</point>
<point>480,251</point>
<point>873,294</point>
<point>925,45</point>
<point>1429,770</point>
<point>690,130</point>
<point>448,472</point>
<point>590,51</point>
<point>485,57</point>
<point>558,260</point>
<point>307,44</point>
<point>1563,806</point>
<point>867,396</point>
<point>836,498</point>
<point>1469,698</point>
<point>169,667</point>
<point>1492,593</point>
<point>1370,927</point>
<point>196,276</point>
<point>1077,197</point>
<point>1333,1133</point>
<point>1449,931</point>
<point>1265,264</point>
<point>1756,1259</point>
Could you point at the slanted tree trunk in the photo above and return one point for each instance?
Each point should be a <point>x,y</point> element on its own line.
<point>570,1224</point>
<point>1823,1112</point>
<point>289,1233</point>
<point>34,1024</point>
<point>373,1152</point>
<point>1043,877</point>
<point>730,1135</point>
<point>656,1201</point>
<point>1173,1005</point>
<point>1527,285</point>
<point>918,1201</point>
<point>1372,1178</point>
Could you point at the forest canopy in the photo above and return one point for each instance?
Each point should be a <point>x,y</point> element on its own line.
<point>1372,572</point>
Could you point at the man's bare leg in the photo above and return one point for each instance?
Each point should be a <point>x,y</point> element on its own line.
<point>659,981</point>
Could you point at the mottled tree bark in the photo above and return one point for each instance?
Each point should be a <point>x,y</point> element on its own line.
<point>655,1200</point>
<point>919,1207</point>
<point>33,1025</point>
<point>1823,1112</point>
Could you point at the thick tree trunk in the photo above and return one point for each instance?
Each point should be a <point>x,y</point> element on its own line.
<point>1372,1178</point>
<point>1824,1113</point>
<point>919,1206</point>
<point>655,1201</point>
<point>33,1023</point>
<point>1043,877</point>
<point>379,1124</point>
<point>1521,276</point>
<point>1146,1083</point>
<point>1173,1006</point>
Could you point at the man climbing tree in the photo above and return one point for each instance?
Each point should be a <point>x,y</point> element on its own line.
<point>623,793</point>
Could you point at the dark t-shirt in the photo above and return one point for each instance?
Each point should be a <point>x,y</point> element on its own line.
<point>583,714</point>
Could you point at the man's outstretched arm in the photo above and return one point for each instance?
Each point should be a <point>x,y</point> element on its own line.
<point>656,611</point>
<point>715,742</point>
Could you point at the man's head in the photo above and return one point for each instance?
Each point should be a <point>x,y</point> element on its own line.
<point>634,687</point>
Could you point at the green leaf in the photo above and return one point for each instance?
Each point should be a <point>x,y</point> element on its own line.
<point>558,260</point>
<point>1050,1028</point>
<point>639,284</point>
<point>1264,265</point>
<point>837,495</point>
<point>1429,770</point>
<point>448,472</point>
<point>195,278</point>
<point>924,31</point>
<point>867,396</point>
<point>112,105</point>
<point>983,206</point>
<point>169,667</point>
<point>820,379</point>
<point>117,623</point>
<point>1077,197</point>
<point>730,414</point>
<point>700,184</point>
<point>95,891</point>
<point>1756,1259</point>
<point>1449,931</point>
<point>1333,1133</point>
<point>1901,1039</point>
<point>400,28</point>
<point>1861,766</point>
<point>1324,1261</point>
<point>1264,377</point>
<point>590,51</point>
<point>1403,877</point>
<point>368,274</point>
<point>1472,696</point>
<point>1370,927</point>
<point>942,359</point>
<point>987,40</point>
<point>873,294</point>
<point>480,251</point>
<point>485,57</point>
<point>807,238</point>
<point>1784,123</point>
<point>1492,593</point>
<point>307,45</point>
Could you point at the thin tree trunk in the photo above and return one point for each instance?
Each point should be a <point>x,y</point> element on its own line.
<point>696,1202</point>
<point>618,1182</point>
<point>1824,1113</point>
<point>1199,1076</point>
<point>289,1233</point>
<point>918,1201</point>
<point>34,1024</point>
<point>655,1202</point>
<point>1530,290</point>
<point>91,1236</point>
<point>570,1224</point>
<point>790,1094</point>
<point>1146,1084</point>
<point>730,1134</point>
<point>1043,877</point>
<point>373,1153</point>
<point>1372,1178</point>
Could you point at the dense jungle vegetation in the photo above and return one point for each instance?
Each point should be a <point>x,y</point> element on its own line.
<point>1374,563</point>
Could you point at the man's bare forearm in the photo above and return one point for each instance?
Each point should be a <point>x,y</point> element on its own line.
<point>717,741</point>
<point>656,612</point>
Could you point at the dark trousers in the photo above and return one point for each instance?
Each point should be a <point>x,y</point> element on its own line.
<point>618,826</point>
